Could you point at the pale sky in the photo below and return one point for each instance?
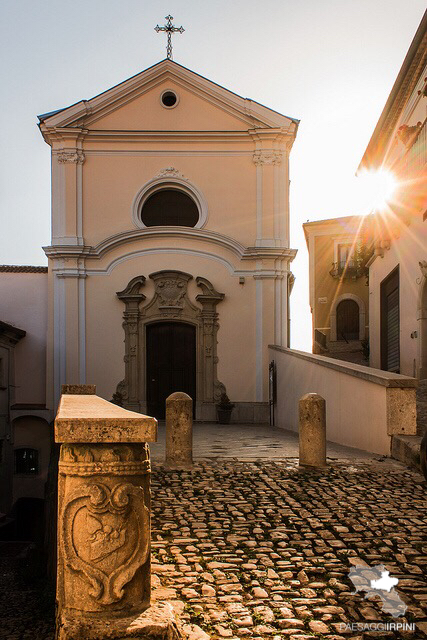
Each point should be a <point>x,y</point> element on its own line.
<point>329,63</point>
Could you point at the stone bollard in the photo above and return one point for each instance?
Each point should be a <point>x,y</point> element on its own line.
<point>312,431</point>
<point>103,574</point>
<point>179,431</point>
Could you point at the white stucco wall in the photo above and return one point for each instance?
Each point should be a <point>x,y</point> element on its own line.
<point>23,304</point>
<point>406,251</point>
<point>357,398</point>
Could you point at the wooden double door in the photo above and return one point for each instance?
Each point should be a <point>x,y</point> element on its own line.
<point>171,363</point>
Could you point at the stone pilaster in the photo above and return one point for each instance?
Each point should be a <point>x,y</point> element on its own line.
<point>129,389</point>
<point>209,325</point>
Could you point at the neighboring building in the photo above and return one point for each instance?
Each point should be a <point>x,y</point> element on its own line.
<point>169,266</point>
<point>25,429</point>
<point>398,268</point>
<point>339,297</point>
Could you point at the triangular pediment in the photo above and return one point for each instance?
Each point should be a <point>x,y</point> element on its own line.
<point>135,105</point>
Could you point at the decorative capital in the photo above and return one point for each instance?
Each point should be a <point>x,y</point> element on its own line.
<point>170,172</point>
<point>71,157</point>
<point>423,267</point>
<point>267,156</point>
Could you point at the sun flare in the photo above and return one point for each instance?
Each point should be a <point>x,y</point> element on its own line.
<point>376,189</point>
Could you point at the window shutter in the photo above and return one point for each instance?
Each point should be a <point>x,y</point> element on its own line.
<point>393,363</point>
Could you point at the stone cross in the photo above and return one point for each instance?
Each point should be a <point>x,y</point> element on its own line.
<point>169,29</point>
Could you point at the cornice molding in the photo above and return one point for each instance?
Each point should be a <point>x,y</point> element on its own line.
<point>210,237</point>
<point>118,136</point>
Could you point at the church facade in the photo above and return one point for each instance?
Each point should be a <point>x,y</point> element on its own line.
<point>169,265</point>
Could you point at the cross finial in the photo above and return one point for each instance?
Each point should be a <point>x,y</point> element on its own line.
<point>169,29</point>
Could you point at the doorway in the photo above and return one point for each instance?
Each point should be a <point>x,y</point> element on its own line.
<point>348,320</point>
<point>171,363</point>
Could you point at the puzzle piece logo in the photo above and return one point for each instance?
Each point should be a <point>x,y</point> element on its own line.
<point>376,581</point>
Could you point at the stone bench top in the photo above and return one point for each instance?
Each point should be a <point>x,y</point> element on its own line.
<point>89,418</point>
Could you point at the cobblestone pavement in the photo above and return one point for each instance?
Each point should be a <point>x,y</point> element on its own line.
<point>262,549</point>
<point>27,609</point>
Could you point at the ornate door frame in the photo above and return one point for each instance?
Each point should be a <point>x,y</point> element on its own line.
<point>170,301</point>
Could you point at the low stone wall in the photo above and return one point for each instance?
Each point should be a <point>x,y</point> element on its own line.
<point>365,407</point>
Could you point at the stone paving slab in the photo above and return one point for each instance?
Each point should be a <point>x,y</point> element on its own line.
<point>245,441</point>
<point>262,549</point>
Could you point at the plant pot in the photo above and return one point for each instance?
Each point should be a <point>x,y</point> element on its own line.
<point>224,415</point>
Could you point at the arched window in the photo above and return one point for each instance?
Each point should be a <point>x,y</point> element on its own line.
<point>169,207</point>
<point>27,461</point>
<point>348,320</point>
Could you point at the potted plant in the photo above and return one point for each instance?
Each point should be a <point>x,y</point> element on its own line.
<point>224,409</point>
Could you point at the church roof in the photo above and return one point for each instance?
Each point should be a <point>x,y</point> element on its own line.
<point>253,110</point>
<point>15,268</point>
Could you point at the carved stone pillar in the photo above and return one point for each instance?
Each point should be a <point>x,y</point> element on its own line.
<point>129,389</point>
<point>103,515</point>
<point>209,321</point>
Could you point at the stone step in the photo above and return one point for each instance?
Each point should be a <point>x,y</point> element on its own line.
<point>407,450</point>
<point>340,346</point>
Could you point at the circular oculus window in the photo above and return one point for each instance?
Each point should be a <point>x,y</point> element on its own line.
<point>169,99</point>
<point>169,207</point>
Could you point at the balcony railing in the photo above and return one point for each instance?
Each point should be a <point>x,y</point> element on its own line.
<point>347,270</point>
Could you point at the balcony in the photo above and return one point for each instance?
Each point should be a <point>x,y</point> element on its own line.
<point>348,270</point>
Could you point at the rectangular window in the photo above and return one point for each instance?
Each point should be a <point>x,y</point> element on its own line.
<point>345,256</point>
